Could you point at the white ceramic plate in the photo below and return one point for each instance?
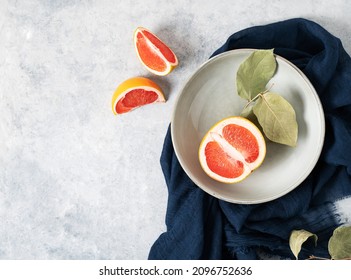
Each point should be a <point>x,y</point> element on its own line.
<point>210,95</point>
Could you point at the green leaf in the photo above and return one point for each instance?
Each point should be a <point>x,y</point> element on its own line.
<point>254,73</point>
<point>339,245</point>
<point>277,118</point>
<point>297,238</point>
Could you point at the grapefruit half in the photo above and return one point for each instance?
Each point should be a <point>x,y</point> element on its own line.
<point>232,149</point>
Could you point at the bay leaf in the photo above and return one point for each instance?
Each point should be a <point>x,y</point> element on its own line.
<point>339,245</point>
<point>277,118</point>
<point>297,238</point>
<point>254,73</point>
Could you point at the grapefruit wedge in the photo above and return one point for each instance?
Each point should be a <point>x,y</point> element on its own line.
<point>154,54</point>
<point>232,149</point>
<point>135,92</point>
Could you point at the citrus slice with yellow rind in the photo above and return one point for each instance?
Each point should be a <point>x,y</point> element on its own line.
<point>135,92</point>
<point>232,149</point>
<point>154,54</point>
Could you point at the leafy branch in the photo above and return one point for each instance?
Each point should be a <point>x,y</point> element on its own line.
<point>339,245</point>
<point>274,114</point>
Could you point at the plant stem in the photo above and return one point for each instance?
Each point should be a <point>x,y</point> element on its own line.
<point>257,96</point>
<point>253,99</point>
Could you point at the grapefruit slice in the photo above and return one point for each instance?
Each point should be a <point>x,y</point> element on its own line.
<point>232,149</point>
<point>135,92</point>
<point>155,55</point>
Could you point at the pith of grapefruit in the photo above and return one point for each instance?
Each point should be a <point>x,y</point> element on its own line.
<point>135,92</point>
<point>154,54</point>
<point>232,149</point>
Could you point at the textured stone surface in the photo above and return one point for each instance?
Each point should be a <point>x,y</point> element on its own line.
<point>77,182</point>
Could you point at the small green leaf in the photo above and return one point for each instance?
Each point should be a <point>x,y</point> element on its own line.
<point>277,118</point>
<point>297,238</point>
<point>254,73</point>
<point>339,245</point>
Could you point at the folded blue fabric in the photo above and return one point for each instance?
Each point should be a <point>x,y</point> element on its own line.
<point>200,226</point>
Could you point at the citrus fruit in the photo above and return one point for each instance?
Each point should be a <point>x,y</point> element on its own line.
<point>135,92</point>
<point>232,149</point>
<point>155,55</point>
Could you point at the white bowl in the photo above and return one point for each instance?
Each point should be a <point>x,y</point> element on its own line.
<point>210,95</point>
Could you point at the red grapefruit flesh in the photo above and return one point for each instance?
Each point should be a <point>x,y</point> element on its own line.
<point>164,49</point>
<point>243,140</point>
<point>135,98</point>
<point>220,163</point>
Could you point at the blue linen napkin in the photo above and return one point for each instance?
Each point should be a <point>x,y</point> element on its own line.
<point>200,226</point>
